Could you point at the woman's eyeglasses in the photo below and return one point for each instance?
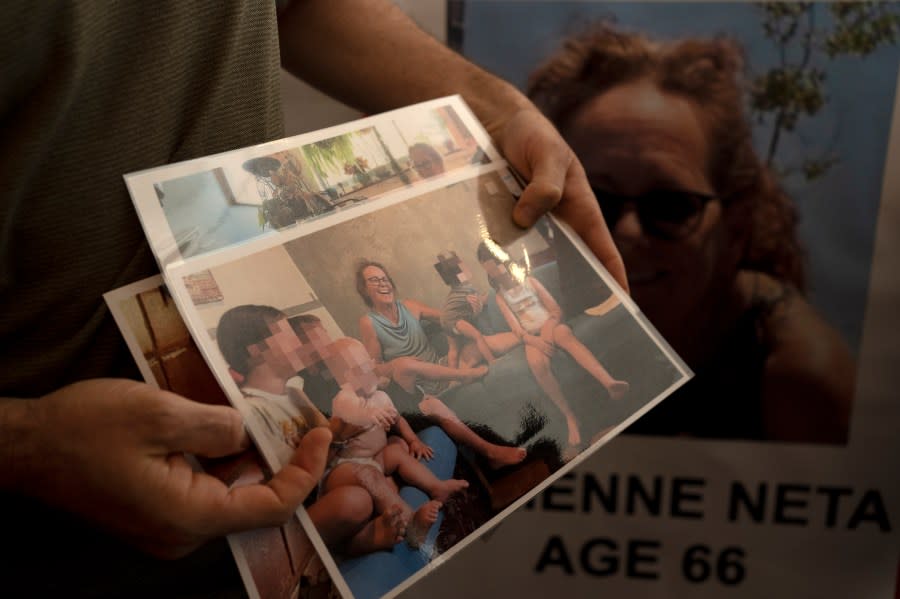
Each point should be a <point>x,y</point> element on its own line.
<point>378,281</point>
<point>663,213</point>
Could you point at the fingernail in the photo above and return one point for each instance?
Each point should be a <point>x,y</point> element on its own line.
<point>526,215</point>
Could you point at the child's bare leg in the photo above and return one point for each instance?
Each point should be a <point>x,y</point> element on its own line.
<point>343,517</point>
<point>384,494</point>
<point>498,456</point>
<point>502,343</point>
<point>469,356</point>
<point>380,533</point>
<point>566,339</point>
<point>539,364</point>
<point>341,513</point>
<point>405,371</point>
<point>467,330</point>
<point>417,474</point>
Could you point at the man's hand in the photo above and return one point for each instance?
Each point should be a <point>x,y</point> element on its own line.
<point>111,451</point>
<point>557,182</point>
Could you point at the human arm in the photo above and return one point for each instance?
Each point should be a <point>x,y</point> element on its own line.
<point>111,451</point>
<point>477,302</point>
<point>469,331</point>
<point>421,311</point>
<point>352,409</point>
<point>378,59</point>
<point>452,351</point>
<point>373,346</point>
<point>417,448</point>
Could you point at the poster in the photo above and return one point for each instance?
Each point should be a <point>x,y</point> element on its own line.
<point>739,511</point>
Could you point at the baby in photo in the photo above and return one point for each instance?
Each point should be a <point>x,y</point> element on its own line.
<point>365,455</point>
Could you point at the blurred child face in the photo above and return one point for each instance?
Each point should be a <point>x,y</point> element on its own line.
<point>316,342</point>
<point>281,351</point>
<point>453,266</point>
<point>498,274</point>
<point>351,364</point>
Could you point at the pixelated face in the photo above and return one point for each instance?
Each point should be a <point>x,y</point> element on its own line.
<point>281,351</point>
<point>498,274</point>
<point>316,341</point>
<point>378,285</point>
<point>351,364</point>
<point>493,268</point>
<point>453,269</point>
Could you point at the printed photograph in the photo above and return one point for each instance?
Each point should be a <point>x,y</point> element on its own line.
<point>460,362</point>
<point>737,151</point>
<point>275,563</point>
<point>220,207</point>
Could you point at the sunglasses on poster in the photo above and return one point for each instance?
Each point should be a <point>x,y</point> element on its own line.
<point>663,213</point>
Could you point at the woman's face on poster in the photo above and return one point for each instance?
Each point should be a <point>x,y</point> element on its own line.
<point>635,142</point>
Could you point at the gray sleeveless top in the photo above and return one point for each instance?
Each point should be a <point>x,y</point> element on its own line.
<point>406,338</point>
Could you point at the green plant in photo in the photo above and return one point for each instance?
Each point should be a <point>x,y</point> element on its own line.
<point>806,39</point>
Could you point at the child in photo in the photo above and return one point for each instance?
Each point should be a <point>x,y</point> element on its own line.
<point>462,307</point>
<point>536,318</point>
<point>262,349</point>
<point>367,457</point>
<point>321,386</point>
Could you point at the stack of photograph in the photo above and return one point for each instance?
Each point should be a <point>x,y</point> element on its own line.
<point>369,278</point>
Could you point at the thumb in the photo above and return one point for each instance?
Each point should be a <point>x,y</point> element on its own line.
<point>545,189</point>
<point>299,477</point>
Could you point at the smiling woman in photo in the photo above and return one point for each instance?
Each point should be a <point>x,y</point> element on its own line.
<point>707,235</point>
<point>395,339</point>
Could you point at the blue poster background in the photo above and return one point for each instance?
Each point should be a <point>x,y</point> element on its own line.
<point>838,210</point>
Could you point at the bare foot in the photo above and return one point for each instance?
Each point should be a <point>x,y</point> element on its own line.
<point>574,435</point>
<point>618,389</point>
<point>445,488</point>
<point>499,456</point>
<point>570,453</point>
<point>422,520</point>
<point>390,528</point>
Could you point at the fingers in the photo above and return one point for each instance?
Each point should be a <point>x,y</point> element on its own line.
<point>557,180</point>
<point>271,504</point>
<point>181,425</point>
<point>545,189</point>
<point>419,451</point>
<point>580,210</point>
